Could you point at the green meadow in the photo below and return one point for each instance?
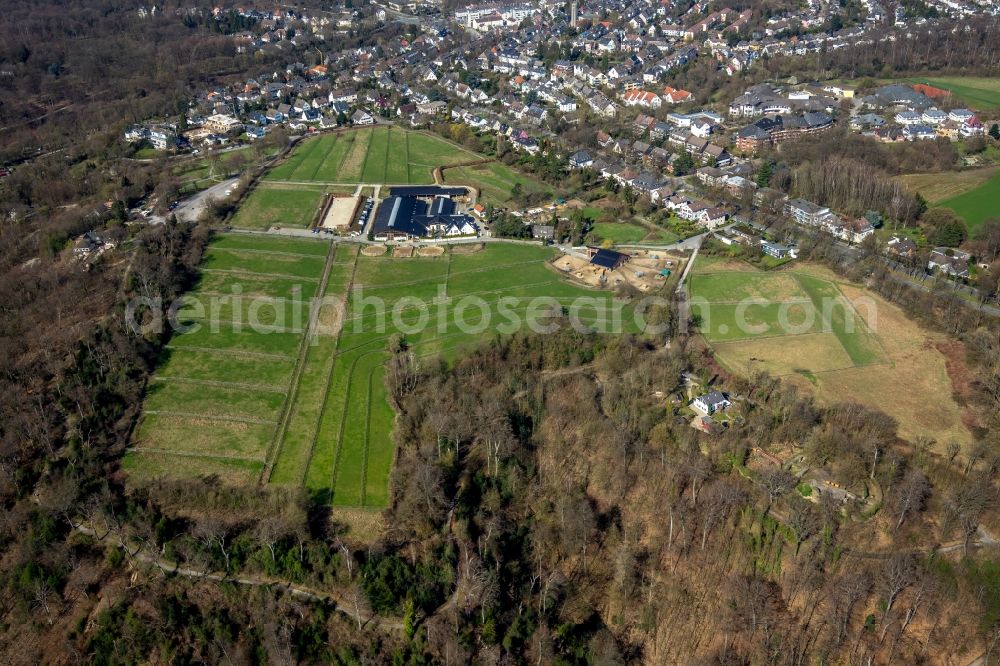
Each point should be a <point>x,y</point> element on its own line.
<point>977,205</point>
<point>381,154</point>
<point>307,404</point>
<point>268,206</point>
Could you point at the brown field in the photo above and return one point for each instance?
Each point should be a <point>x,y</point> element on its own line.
<point>786,355</point>
<point>914,388</point>
<point>937,187</point>
<point>430,251</point>
<point>364,525</point>
<point>467,248</point>
<point>402,251</point>
<point>373,250</point>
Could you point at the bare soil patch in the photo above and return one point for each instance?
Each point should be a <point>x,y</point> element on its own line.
<point>402,251</point>
<point>642,272</point>
<point>330,318</point>
<point>373,250</point>
<point>364,525</point>
<point>430,251</point>
<point>467,248</point>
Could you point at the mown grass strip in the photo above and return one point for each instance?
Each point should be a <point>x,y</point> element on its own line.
<point>285,412</point>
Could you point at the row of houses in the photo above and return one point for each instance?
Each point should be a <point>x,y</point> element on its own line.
<point>899,112</point>
<point>809,214</point>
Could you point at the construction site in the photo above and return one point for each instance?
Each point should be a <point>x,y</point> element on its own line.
<point>644,270</point>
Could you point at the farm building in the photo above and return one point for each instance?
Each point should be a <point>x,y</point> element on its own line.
<point>422,212</point>
<point>608,259</point>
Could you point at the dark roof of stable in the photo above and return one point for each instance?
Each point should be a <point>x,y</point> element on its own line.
<point>396,214</point>
<point>608,258</point>
<point>426,191</point>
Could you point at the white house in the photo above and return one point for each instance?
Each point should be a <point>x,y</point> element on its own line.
<point>711,402</point>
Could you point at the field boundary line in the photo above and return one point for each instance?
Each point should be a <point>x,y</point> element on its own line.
<point>190,454</point>
<point>239,386</point>
<point>286,406</point>
<point>368,430</point>
<point>883,352</point>
<point>232,352</point>
<point>207,417</point>
<point>326,387</point>
<point>388,335</point>
<point>257,295</point>
<point>319,164</point>
<point>484,269</point>
<point>343,419</point>
<point>239,271</point>
<point>281,253</point>
<point>343,158</point>
<point>253,328</point>
<point>406,152</point>
<point>340,428</point>
<point>385,162</point>
<point>313,145</point>
<point>368,152</point>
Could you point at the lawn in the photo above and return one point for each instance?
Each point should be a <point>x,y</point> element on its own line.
<point>496,182</point>
<point>938,187</point>
<point>852,346</point>
<point>260,405</point>
<point>980,94</point>
<point>382,154</point>
<point>271,206</point>
<point>979,204</point>
<point>619,232</point>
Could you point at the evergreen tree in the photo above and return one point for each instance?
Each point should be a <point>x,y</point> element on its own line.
<point>764,175</point>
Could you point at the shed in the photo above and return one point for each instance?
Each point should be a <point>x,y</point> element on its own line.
<point>608,259</point>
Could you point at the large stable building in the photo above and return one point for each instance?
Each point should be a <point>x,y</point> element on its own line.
<point>422,212</point>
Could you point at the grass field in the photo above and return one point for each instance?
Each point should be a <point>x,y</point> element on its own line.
<point>628,233</point>
<point>287,402</point>
<point>838,341</point>
<point>382,154</point>
<point>616,232</point>
<point>214,404</point>
<point>980,94</point>
<point>268,206</point>
<point>496,182</point>
<point>979,204</point>
<point>353,453</point>
<point>938,187</point>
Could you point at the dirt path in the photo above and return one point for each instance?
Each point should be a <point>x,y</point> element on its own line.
<point>303,592</point>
